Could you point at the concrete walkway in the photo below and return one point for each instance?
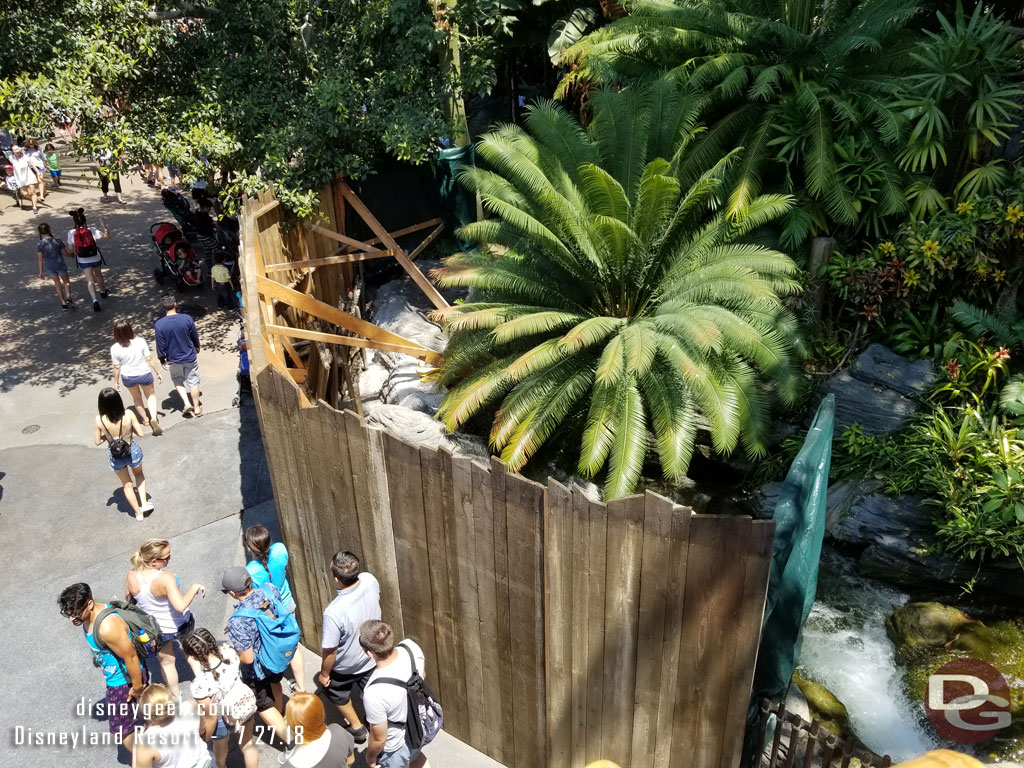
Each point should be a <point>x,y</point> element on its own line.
<point>62,516</point>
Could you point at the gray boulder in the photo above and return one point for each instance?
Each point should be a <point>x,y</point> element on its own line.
<point>908,565</point>
<point>882,367</point>
<point>884,520</point>
<point>404,387</point>
<point>395,309</point>
<point>420,429</point>
<point>877,409</point>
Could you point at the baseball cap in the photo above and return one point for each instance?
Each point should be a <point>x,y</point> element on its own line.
<point>235,579</point>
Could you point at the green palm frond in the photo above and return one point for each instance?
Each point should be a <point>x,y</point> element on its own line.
<point>627,300</point>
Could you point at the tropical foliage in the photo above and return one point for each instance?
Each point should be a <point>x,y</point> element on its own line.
<point>273,90</point>
<point>834,102</point>
<point>622,299</point>
<point>971,249</point>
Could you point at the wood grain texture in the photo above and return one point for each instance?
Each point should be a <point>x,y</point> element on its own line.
<point>503,628</point>
<point>558,613</point>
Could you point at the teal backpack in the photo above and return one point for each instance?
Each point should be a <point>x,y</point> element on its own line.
<point>279,635</point>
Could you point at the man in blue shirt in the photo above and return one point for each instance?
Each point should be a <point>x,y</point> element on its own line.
<point>177,347</point>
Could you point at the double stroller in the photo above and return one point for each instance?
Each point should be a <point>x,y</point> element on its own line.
<point>178,259</point>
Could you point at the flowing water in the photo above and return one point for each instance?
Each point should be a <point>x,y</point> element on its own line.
<point>846,650</point>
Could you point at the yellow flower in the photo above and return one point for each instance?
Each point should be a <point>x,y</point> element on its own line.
<point>999,275</point>
<point>1018,233</point>
<point>981,270</point>
<point>887,247</point>
<point>964,207</point>
<point>1014,214</point>
<point>910,277</point>
<point>930,247</point>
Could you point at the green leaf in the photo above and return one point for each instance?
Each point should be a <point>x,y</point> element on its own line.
<point>568,30</point>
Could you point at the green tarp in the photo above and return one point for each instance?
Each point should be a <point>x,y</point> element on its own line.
<point>457,203</point>
<point>799,531</point>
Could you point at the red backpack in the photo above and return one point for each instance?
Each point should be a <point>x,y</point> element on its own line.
<point>85,244</point>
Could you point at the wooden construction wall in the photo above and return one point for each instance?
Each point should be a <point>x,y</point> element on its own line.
<point>557,630</point>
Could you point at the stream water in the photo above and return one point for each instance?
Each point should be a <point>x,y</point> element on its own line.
<point>845,648</point>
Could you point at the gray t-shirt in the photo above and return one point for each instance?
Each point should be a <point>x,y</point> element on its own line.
<point>53,254</point>
<point>342,619</point>
<point>388,703</point>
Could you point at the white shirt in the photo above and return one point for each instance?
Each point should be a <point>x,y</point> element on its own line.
<point>384,701</point>
<point>132,358</point>
<point>23,171</point>
<point>179,743</point>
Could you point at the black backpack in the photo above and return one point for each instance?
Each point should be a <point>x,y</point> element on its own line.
<point>143,629</point>
<point>425,717</point>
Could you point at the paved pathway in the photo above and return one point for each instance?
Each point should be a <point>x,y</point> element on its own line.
<point>63,518</point>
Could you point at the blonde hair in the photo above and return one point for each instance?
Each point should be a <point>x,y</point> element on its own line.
<point>157,705</point>
<point>305,710</point>
<point>148,551</point>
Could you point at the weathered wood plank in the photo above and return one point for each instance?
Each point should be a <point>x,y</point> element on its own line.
<point>597,537</point>
<point>328,261</point>
<point>414,254</point>
<point>655,573</point>
<point>483,534</point>
<point>675,614</point>
<point>716,570</point>
<point>557,612</point>
<point>524,511</point>
<point>625,548</point>
<point>372,500</point>
<point>503,641</point>
<point>746,637</point>
<point>405,488</point>
<point>436,490</point>
<point>579,623</point>
<point>469,601</point>
<point>284,332</point>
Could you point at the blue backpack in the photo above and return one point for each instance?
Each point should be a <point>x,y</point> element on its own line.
<point>279,635</point>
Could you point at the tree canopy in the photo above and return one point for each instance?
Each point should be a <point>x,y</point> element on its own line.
<point>295,90</point>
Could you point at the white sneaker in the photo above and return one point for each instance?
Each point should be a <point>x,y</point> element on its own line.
<point>147,506</point>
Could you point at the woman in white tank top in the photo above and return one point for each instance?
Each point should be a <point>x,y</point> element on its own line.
<point>156,591</point>
<point>170,738</point>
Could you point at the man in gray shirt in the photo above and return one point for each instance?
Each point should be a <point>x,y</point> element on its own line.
<point>345,664</point>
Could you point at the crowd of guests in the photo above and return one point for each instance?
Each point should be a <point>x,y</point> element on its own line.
<point>236,693</point>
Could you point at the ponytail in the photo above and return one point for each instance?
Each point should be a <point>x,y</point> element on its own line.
<point>147,552</point>
<point>257,541</point>
<point>200,645</point>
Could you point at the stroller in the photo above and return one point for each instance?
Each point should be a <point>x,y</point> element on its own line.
<point>177,258</point>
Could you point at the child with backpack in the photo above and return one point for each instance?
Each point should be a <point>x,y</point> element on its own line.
<point>225,702</point>
<point>82,243</point>
<point>266,637</point>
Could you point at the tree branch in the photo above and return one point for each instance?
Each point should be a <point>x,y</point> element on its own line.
<point>181,12</point>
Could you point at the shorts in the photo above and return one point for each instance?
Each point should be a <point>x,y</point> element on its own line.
<point>339,691</point>
<point>83,265</point>
<point>55,267</point>
<point>400,758</point>
<point>144,380</point>
<point>123,715</point>
<point>135,460</point>
<point>54,174</point>
<point>180,632</point>
<point>264,692</point>
<point>185,373</point>
<point>222,731</point>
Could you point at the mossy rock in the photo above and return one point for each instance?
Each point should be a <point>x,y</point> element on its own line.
<point>824,705</point>
<point>917,629</point>
<point>999,643</point>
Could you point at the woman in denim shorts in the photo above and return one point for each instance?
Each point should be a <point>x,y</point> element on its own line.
<point>114,424</point>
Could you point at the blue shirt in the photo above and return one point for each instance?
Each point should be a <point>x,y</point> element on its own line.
<point>112,667</point>
<point>177,339</point>
<point>277,559</point>
<point>243,632</point>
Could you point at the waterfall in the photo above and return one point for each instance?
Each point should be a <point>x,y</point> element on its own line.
<point>845,648</point>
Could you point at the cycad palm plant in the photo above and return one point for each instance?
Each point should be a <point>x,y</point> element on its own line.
<point>621,300</point>
<point>789,81</point>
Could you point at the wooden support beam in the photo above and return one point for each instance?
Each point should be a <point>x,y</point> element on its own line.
<point>407,230</point>
<point>426,241</point>
<point>330,233</point>
<point>378,229</point>
<point>265,209</point>
<point>275,360</point>
<point>420,353</point>
<point>295,358</point>
<point>342,258</point>
<point>271,289</point>
<point>299,376</point>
